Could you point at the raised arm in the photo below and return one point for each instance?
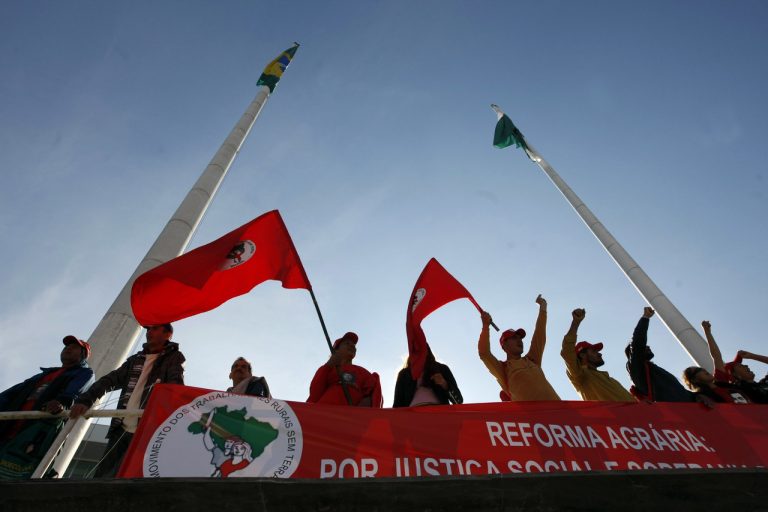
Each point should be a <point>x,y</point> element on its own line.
<point>637,357</point>
<point>484,342</point>
<point>539,338</point>
<point>714,350</point>
<point>484,347</point>
<point>755,357</point>
<point>568,353</point>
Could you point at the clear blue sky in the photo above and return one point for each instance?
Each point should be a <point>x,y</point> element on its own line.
<point>376,148</point>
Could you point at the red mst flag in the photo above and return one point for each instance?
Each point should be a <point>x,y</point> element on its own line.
<point>434,288</point>
<point>208,276</point>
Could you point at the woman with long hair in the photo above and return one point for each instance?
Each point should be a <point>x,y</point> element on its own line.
<point>435,386</point>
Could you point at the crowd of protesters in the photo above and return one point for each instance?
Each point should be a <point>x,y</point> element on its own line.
<point>23,443</point>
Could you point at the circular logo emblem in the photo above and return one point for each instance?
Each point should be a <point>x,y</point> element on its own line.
<point>239,254</point>
<point>417,298</point>
<point>225,435</point>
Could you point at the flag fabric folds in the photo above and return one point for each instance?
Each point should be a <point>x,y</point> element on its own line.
<point>208,276</point>
<point>275,69</point>
<point>507,134</point>
<point>434,288</point>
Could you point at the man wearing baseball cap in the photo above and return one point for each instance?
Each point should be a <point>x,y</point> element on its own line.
<point>339,382</point>
<point>520,376</point>
<point>159,361</point>
<point>582,361</point>
<point>24,443</point>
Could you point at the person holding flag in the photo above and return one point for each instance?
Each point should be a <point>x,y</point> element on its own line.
<point>435,386</point>
<point>434,288</point>
<point>339,382</point>
<point>520,376</point>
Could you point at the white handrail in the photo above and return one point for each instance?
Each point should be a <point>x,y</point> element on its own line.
<point>101,413</point>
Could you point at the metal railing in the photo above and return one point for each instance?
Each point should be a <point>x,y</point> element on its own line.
<point>49,457</point>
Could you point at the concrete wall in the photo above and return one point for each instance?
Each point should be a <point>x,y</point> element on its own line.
<point>732,490</point>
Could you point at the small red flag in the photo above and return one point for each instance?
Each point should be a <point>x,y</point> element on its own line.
<point>208,276</point>
<point>434,288</point>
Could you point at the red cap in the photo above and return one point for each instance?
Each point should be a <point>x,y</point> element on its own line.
<point>69,339</point>
<point>584,345</point>
<point>348,336</point>
<point>512,332</point>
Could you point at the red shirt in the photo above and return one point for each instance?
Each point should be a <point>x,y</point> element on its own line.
<point>326,385</point>
<point>229,467</point>
<point>726,391</point>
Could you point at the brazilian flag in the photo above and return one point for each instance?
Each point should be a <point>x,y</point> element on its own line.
<point>275,69</point>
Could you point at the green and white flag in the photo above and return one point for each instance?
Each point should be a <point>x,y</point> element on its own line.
<point>507,134</point>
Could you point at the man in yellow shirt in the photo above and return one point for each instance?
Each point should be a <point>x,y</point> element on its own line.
<point>520,376</point>
<point>582,361</point>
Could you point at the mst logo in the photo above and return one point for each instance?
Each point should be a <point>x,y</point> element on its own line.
<point>224,435</point>
<point>418,296</point>
<point>239,254</point>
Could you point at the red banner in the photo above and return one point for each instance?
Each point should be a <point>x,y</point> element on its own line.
<point>193,432</point>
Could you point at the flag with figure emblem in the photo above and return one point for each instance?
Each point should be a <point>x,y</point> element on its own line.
<point>434,288</point>
<point>208,276</point>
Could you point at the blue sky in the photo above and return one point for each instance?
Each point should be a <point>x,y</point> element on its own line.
<point>376,148</point>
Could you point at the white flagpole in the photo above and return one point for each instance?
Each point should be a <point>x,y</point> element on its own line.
<point>117,332</point>
<point>677,324</point>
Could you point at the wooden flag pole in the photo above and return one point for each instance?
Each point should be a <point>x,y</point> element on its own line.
<point>330,347</point>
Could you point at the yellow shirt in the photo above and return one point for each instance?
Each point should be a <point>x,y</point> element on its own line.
<point>591,384</point>
<point>522,378</point>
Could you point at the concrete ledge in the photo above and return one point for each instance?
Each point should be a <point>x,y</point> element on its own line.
<point>709,490</point>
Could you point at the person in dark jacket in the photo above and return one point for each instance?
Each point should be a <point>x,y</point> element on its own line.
<point>435,386</point>
<point>650,381</point>
<point>24,443</point>
<point>159,361</point>
<point>243,381</point>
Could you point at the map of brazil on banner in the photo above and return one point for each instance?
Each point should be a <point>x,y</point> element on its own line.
<point>193,432</point>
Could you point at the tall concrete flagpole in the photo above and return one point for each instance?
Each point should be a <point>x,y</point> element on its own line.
<point>677,324</point>
<point>117,332</point>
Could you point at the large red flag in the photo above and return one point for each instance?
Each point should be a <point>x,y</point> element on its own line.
<point>434,288</point>
<point>208,276</point>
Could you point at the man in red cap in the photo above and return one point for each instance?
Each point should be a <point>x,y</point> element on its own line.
<point>24,443</point>
<point>339,382</point>
<point>520,376</point>
<point>582,361</point>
